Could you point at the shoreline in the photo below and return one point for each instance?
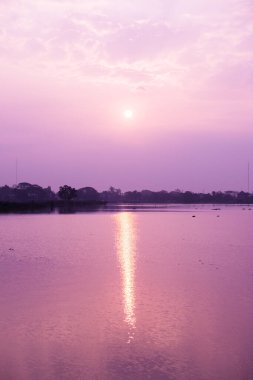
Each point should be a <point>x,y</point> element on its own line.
<point>62,207</point>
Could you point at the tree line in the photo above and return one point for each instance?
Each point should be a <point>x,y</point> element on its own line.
<point>26,193</point>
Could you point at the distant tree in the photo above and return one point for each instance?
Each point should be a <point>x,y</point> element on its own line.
<point>189,197</point>
<point>66,192</point>
<point>132,196</point>
<point>88,194</point>
<point>5,193</point>
<point>243,197</point>
<point>112,195</point>
<point>26,192</point>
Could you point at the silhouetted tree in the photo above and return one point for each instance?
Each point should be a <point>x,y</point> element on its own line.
<point>112,195</point>
<point>26,192</point>
<point>243,197</point>
<point>88,194</point>
<point>66,192</point>
<point>132,196</point>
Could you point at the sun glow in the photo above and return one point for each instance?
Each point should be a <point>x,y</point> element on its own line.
<point>128,114</point>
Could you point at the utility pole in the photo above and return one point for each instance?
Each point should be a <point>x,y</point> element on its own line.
<point>248,177</point>
<point>16,172</point>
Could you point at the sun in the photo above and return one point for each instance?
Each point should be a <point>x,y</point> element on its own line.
<point>128,113</point>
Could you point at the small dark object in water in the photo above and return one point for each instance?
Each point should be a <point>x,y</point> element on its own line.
<point>218,216</point>
<point>193,216</point>
<point>11,249</point>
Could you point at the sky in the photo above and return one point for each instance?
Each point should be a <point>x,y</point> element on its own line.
<point>144,94</point>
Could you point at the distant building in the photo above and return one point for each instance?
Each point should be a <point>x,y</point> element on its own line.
<point>232,193</point>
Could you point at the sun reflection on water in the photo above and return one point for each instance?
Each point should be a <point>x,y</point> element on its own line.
<point>126,250</point>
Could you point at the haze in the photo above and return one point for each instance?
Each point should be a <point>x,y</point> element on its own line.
<point>70,69</point>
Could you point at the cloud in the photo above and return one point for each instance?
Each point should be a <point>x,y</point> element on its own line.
<point>174,43</point>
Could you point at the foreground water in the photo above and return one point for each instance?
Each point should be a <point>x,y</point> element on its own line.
<point>127,295</point>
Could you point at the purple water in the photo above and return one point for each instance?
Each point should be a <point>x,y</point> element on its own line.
<point>127,295</point>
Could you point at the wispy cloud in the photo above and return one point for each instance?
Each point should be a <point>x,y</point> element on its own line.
<point>154,44</point>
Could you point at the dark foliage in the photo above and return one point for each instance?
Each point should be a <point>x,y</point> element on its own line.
<point>30,196</point>
<point>67,193</point>
<point>88,194</point>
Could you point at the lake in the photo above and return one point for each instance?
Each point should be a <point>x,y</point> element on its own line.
<point>128,294</point>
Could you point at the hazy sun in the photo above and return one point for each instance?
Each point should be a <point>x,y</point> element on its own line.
<point>128,114</point>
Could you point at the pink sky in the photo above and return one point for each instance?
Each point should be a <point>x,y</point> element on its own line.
<point>70,68</point>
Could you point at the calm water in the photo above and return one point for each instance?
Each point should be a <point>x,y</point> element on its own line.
<point>127,295</point>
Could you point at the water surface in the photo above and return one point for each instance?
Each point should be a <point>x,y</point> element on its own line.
<point>127,295</point>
